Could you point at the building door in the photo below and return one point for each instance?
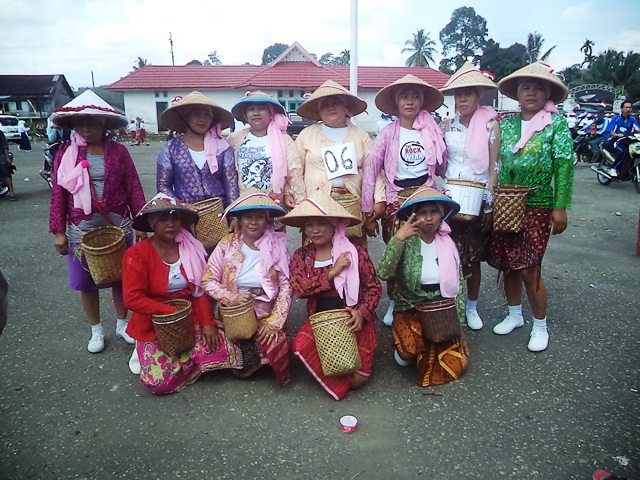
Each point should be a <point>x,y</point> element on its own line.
<point>161,107</point>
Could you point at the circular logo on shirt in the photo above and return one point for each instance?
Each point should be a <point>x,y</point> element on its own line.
<point>412,153</point>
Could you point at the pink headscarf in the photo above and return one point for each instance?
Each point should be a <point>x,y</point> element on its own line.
<point>214,145</point>
<point>75,177</point>
<point>273,250</point>
<point>477,146</point>
<point>347,282</point>
<point>275,133</point>
<point>432,140</point>
<point>539,121</point>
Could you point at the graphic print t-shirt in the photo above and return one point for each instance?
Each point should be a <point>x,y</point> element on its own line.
<point>411,160</point>
<point>254,162</point>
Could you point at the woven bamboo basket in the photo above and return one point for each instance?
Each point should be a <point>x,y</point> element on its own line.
<point>469,195</point>
<point>351,204</point>
<point>439,320</point>
<point>337,346</point>
<point>239,321</point>
<point>406,193</point>
<point>509,205</point>
<point>104,248</point>
<point>175,330</point>
<point>210,229</point>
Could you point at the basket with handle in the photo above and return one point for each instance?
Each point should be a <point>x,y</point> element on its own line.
<point>469,195</point>
<point>509,205</point>
<point>210,228</point>
<point>239,321</point>
<point>406,193</point>
<point>175,330</point>
<point>336,345</point>
<point>439,320</point>
<point>351,204</point>
<point>104,249</point>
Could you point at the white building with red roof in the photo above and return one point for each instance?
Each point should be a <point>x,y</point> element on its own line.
<point>150,90</point>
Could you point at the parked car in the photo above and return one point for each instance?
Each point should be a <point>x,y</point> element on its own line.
<point>298,124</point>
<point>9,126</point>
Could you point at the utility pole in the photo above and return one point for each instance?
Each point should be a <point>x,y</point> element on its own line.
<point>93,83</point>
<point>353,52</point>
<point>171,43</point>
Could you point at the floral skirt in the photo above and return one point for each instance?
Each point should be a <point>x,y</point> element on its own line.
<point>471,242</point>
<point>163,374</point>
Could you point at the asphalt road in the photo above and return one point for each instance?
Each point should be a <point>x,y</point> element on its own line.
<point>560,414</point>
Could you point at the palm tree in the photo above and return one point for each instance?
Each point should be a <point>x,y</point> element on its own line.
<point>142,62</point>
<point>534,47</point>
<point>587,49</point>
<point>422,49</point>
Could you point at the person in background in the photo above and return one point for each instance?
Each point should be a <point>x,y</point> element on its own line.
<point>6,168</point>
<point>132,127</point>
<point>621,126</point>
<point>25,143</point>
<point>598,128</point>
<point>385,119</point>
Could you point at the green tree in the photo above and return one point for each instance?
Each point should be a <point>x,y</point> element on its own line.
<point>574,76</point>
<point>421,48</point>
<point>330,59</point>
<point>534,48</point>
<point>141,62</point>
<point>213,59</point>
<point>272,52</point>
<point>587,49</point>
<point>464,36</point>
<point>503,61</point>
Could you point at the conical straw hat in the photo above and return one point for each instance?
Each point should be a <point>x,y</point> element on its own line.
<point>309,109</point>
<point>386,98</point>
<point>468,76</point>
<point>239,110</point>
<point>318,205</point>
<point>174,117</point>
<point>90,104</point>
<point>427,195</point>
<point>163,203</point>
<point>254,199</point>
<point>538,70</point>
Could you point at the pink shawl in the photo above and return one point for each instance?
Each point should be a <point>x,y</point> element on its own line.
<point>539,121</point>
<point>448,261</point>
<point>433,143</point>
<point>193,259</point>
<point>477,145</point>
<point>347,282</point>
<point>273,250</point>
<point>275,133</point>
<point>75,177</point>
<point>214,145</point>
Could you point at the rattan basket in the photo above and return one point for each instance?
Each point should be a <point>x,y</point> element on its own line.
<point>351,204</point>
<point>405,193</point>
<point>509,205</point>
<point>175,330</point>
<point>239,321</point>
<point>210,229</point>
<point>104,248</point>
<point>336,345</point>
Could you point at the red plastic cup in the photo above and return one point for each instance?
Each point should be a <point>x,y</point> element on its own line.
<point>348,423</point>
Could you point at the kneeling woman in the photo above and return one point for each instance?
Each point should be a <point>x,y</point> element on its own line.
<point>331,273</point>
<point>424,262</point>
<point>254,264</point>
<point>169,266</point>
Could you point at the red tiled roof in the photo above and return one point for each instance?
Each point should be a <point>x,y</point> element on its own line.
<point>281,75</point>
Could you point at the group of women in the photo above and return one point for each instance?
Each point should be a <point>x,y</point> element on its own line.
<point>266,181</point>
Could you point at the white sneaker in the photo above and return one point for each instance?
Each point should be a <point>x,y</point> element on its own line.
<point>508,325</point>
<point>474,322</point>
<point>539,340</point>
<point>400,361</point>
<point>96,344</point>
<point>134,362</point>
<point>388,317</point>
<point>122,333</point>
<point>612,172</point>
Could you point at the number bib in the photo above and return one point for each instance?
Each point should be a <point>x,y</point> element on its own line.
<point>339,160</point>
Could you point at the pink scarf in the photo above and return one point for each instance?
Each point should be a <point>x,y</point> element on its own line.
<point>448,260</point>
<point>347,282</point>
<point>273,250</point>
<point>214,145</point>
<point>539,121</point>
<point>477,145</point>
<point>433,143</point>
<point>75,177</point>
<point>275,133</point>
<point>193,259</point>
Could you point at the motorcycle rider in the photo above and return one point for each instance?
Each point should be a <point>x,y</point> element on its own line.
<point>599,127</point>
<point>621,126</point>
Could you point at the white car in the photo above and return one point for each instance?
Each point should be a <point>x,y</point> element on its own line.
<point>9,126</point>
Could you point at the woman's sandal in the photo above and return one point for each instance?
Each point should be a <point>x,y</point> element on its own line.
<point>12,198</point>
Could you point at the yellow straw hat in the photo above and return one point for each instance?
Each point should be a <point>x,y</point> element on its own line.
<point>318,205</point>
<point>386,98</point>
<point>541,71</point>
<point>164,203</point>
<point>468,76</point>
<point>174,117</point>
<point>309,109</point>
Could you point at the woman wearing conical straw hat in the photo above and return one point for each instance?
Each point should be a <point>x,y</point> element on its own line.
<point>266,156</point>
<point>409,153</point>
<point>95,184</point>
<point>334,152</point>
<point>536,150</point>
<point>333,273</point>
<point>472,138</point>
<point>253,264</point>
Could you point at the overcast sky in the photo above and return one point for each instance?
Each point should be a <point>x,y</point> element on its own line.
<point>76,37</point>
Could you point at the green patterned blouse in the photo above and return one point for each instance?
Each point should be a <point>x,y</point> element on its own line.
<point>402,261</point>
<point>545,162</point>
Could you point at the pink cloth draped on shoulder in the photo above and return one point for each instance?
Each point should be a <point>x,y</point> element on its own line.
<point>193,258</point>
<point>477,146</point>
<point>347,282</point>
<point>539,121</point>
<point>433,142</point>
<point>275,131</point>
<point>75,177</point>
<point>273,250</point>
<point>214,145</point>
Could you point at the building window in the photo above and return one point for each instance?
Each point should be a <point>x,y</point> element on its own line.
<point>290,93</point>
<point>165,94</point>
<point>18,106</point>
<point>157,94</point>
<point>301,93</point>
<point>280,94</point>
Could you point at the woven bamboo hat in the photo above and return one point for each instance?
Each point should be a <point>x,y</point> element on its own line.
<point>88,104</point>
<point>541,71</point>
<point>468,76</point>
<point>175,117</point>
<point>309,109</point>
<point>163,203</point>
<point>318,205</point>
<point>386,98</point>
<point>239,110</point>
<point>254,199</point>
<point>427,194</point>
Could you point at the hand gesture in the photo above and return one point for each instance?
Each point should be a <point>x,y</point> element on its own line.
<point>408,229</point>
<point>356,320</point>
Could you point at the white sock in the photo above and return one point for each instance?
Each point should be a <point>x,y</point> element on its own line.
<point>121,323</point>
<point>540,324</point>
<point>98,328</point>
<point>472,305</point>
<point>515,310</point>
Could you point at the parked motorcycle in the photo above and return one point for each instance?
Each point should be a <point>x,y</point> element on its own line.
<point>3,188</point>
<point>629,168</point>
<point>49,154</point>
<point>582,148</point>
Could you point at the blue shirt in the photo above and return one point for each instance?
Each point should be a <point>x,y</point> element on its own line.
<point>621,126</point>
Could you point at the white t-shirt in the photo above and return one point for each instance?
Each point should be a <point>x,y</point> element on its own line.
<point>337,136</point>
<point>430,270</point>
<point>411,158</point>
<point>248,276</point>
<point>254,162</point>
<point>177,281</point>
<point>198,158</point>
<point>323,263</point>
